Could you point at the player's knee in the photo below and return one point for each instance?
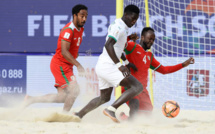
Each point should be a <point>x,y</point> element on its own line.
<point>61,97</point>
<point>105,99</point>
<point>76,91</point>
<point>138,88</point>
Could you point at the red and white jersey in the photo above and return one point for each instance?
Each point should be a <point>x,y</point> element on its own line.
<point>70,34</point>
<point>142,59</point>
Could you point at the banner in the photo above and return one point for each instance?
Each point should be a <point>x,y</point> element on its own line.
<point>34,26</point>
<point>12,78</point>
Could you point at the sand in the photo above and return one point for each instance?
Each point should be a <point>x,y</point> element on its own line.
<point>40,121</point>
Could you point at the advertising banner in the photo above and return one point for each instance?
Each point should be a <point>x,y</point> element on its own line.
<point>12,78</point>
<point>34,25</point>
<point>41,80</point>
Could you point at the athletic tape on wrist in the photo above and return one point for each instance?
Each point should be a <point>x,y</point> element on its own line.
<point>111,108</point>
<point>118,64</point>
<point>126,62</point>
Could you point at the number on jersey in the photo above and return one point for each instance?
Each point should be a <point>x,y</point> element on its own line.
<point>144,59</point>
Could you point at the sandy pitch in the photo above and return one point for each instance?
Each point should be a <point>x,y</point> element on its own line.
<point>40,121</point>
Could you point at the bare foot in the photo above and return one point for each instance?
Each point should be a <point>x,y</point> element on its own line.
<point>28,100</point>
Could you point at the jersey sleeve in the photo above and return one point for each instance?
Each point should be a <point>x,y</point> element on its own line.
<point>130,46</point>
<point>169,69</point>
<point>66,34</point>
<point>114,32</point>
<point>154,65</point>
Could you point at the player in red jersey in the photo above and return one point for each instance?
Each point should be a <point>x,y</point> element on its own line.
<point>63,61</point>
<point>143,60</point>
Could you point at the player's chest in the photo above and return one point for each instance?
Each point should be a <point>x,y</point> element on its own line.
<point>144,58</point>
<point>123,39</point>
<point>77,39</point>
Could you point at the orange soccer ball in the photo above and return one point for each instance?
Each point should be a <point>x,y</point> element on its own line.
<point>170,109</point>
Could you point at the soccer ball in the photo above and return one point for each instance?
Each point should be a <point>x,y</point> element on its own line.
<point>170,109</point>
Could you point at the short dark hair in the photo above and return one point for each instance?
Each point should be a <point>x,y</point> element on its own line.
<point>76,9</point>
<point>132,9</point>
<point>146,29</point>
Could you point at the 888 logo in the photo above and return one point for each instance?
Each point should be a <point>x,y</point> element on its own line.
<point>11,73</point>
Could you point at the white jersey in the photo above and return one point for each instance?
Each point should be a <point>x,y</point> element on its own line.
<point>118,30</point>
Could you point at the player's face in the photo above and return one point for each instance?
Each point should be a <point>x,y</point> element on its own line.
<point>131,19</point>
<point>148,40</point>
<point>81,18</point>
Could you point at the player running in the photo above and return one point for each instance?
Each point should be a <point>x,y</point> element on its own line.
<point>143,60</point>
<point>62,63</point>
<point>110,71</point>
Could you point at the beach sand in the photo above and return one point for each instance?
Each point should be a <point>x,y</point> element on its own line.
<point>38,121</point>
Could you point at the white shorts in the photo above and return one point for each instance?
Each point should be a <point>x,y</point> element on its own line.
<point>108,75</point>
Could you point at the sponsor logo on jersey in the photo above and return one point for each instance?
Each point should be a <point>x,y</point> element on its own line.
<point>66,35</point>
<point>138,52</point>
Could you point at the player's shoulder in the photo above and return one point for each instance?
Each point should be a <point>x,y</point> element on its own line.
<point>67,28</point>
<point>150,54</point>
<point>130,47</point>
<point>116,25</point>
<point>131,44</point>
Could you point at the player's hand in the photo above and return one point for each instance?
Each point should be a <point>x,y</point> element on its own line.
<point>124,71</point>
<point>133,37</point>
<point>131,65</point>
<point>81,71</point>
<point>188,62</point>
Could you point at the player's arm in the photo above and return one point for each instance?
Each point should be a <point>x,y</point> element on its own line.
<point>111,52</point>
<point>170,69</point>
<point>128,64</point>
<point>65,46</point>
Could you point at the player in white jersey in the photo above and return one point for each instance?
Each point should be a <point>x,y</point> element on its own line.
<point>110,71</point>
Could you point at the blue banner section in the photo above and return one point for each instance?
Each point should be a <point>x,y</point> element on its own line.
<point>12,78</point>
<point>34,25</point>
<point>183,26</point>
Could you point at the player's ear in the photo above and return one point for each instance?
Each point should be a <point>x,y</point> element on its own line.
<point>142,37</point>
<point>75,15</point>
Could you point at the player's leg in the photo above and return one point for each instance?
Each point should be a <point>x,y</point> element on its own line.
<point>105,95</point>
<point>48,98</point>
<point>133,104</point>
<point>62,74</point>
<point>72,92</point>
<point>140,104</point>
<point>145,106</point>
<point>134,107</point>
<point>134,88</point>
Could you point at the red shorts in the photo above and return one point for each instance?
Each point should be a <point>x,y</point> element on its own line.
<point>144,100</point>
<point>63,73</point>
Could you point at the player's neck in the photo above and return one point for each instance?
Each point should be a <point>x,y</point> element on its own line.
<point>76,25</point>
<point>124,20</point>
<point>143,46</point>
